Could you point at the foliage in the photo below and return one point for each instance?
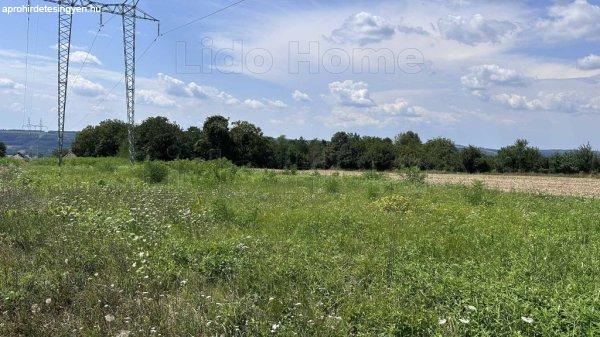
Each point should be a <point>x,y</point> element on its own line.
<point>2,150</point>
<point>103,140</point>
<point>154,172</point>
<point>414,175</point>
<point>582,160</point>
<point>473,160</point>
<point>245,145</point>
<point>520,157</point>
<point>409,150</point>
<point>440,154</point>
<point>158,139</point>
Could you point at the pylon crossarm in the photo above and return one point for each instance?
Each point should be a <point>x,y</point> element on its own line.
<point>118,9</point>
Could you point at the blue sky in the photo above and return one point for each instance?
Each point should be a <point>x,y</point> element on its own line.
<point>479,72</point>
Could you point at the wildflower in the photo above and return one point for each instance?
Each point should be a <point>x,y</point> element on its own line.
<point>442,321</point>
<point>123,333</point>
<point>109,318</point>
<point>274,327</point>
<point>464,320</point>
<point>471,308</point>
<point>35,308</point>
<point>271,298</point>
<point>48,300</point>
<point>527,320</point>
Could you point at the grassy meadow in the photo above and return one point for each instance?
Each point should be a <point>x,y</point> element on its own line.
<point>103,248</point>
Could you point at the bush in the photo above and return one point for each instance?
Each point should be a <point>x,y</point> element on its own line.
<point>155,172</point>
<point>414,175</point>
<point>2,150</point>
<point>476,193</point>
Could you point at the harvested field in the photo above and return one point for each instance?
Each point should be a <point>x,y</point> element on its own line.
<point>537,184</point>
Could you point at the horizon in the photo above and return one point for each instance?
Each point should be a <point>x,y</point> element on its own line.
<point>472,71</point>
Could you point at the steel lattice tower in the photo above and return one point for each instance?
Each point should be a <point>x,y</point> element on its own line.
<point>130,13</point>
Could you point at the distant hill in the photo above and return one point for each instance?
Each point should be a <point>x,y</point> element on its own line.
<point>34,142</point>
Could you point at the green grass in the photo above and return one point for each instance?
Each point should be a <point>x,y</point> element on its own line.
<point>214,250</point>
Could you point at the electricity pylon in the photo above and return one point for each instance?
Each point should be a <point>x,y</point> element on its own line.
<point>130,13</point>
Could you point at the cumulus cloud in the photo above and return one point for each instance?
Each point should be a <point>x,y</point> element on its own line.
<point>363,28</point>
<point>154,98</point>
<point>576,20</point>
<point>8,84</point>
<point>84,87</point>
<point>474,30</point>
<point>350,93</point>
<point>254,104</point>
<point>566,102</point>
<point>277,104</point>
<point>300,96</point>
<point>483,76</point>
<point>178,88</point>
<point>82,56</point>
<point>590,62</point>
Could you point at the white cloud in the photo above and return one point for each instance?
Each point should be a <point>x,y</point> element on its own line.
<point>576,20</point>
<point>82,56</point>
<point>7,83</point>
<point>350,93</point>
<point>518,102</point>
<point>476,29</point>
<point>154,98</point>
<point>363,28</point>
<point>565,102</point>
<point>254,104</point>
<point>277,104</point>
<point>178,88</point>
<point>300,96</point>
<point>591,62</point>
<point>483,76</point>
<point>84,87</point>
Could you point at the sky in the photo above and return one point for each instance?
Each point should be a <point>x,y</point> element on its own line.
<point>478,72</point>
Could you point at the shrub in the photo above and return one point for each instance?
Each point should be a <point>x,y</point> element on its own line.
<point>2,150</point>
<point>476,194</point>
<point>155,172</point>
<point>332,185</point>
<point>414,175</point>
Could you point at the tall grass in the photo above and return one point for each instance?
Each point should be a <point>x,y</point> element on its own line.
<point>214,250</point>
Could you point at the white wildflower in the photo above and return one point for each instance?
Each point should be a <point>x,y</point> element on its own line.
<point>471,308</point>
<point>465,320</point>
<point>442,321</point>
<point>48,300</point>
<point>527,320</point>
<point>109,318</point>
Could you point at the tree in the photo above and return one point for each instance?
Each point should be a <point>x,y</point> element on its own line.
<point>376,154</point>
<point>584,158</point>
<point>441,154</point>
<point>2,150</point>
<point>190,140</point>
<point>103,140</point>
<point>343,151</point>
<point>216,141</point>
<point>520,157</point>
<point>409,150</point>
<point>251,147</point>
<point>158,139</point>
<point>474,160</point>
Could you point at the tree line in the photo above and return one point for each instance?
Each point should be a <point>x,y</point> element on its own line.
<point>244,144</point>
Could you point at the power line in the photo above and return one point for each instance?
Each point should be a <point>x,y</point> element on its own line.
<point>203,17</point>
